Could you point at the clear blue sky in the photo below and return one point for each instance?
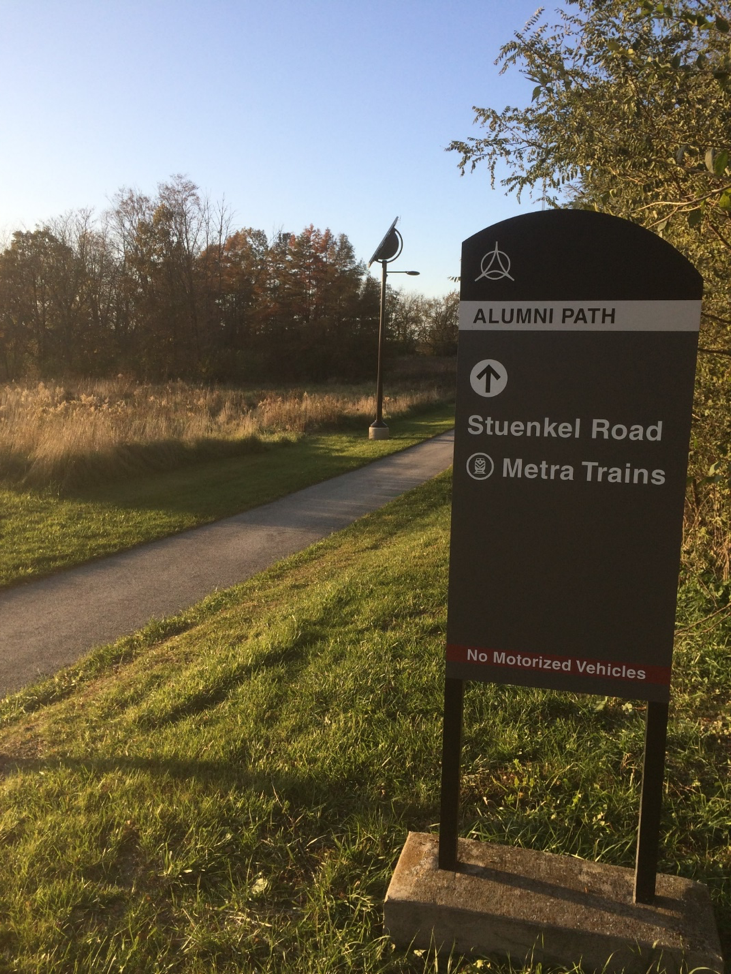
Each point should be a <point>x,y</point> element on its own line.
<point>328,112</point>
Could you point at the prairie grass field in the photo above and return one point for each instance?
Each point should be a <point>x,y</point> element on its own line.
<point>88,480</point>
<point>78,434</point>
<point>229,790</point>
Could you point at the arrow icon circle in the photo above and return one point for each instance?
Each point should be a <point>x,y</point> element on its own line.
<point>488,378</point>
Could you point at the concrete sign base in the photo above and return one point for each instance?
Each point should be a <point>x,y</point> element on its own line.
<point>555,910</point>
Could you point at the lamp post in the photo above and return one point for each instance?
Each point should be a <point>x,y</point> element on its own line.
<point>387,251</point>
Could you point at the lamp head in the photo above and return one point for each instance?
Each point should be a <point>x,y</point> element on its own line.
<point>390,247</point>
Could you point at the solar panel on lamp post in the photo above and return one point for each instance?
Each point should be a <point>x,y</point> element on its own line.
<point>387,251</point>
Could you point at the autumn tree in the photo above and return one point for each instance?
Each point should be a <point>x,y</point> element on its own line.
<point>319,318</point>
<point>84,299</point>
<point>236,273</point>
<point>159,243</point>
<point>406,312</point>
<point>440,326</point>
<point>42,303</point>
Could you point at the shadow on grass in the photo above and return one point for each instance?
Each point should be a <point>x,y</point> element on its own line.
<point>293,656</point>
<point>223,773</point>
<point>332,799</point>
<point>123,461</point>
<point>230,485</point>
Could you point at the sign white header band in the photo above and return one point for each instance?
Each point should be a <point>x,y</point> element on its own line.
<point>579,315</point>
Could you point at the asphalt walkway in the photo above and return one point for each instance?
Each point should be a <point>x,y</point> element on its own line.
<point>48,624</point>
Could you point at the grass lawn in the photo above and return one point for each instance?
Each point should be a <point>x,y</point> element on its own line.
<point>41,532</point>
<point>230,790</point>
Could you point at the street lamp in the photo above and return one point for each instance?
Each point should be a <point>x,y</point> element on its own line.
<point>387,251</point>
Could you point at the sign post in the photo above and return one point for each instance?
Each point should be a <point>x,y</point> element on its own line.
<point>576,365</point>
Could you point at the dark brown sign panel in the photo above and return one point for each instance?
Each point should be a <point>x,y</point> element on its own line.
<point>577,349</point>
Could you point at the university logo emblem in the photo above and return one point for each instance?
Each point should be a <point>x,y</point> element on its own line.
<point>495,265</point>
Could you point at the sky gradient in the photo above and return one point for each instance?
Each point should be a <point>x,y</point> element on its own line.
<point>326,112</point>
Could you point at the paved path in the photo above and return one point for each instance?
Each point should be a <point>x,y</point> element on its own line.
<point>48,624</point>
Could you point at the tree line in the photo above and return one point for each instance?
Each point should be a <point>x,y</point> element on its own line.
<point>163,287</point>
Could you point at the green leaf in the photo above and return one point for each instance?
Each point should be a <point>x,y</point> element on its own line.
<point>722,24</point>
<point>724,202</point>
<point>536,92</point>
<point>720,163</point>
<point>695,217</point>
<point>709,158</point>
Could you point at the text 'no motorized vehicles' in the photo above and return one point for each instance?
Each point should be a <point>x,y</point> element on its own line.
<point>524,660</point>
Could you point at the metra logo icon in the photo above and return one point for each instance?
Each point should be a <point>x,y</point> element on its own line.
<point>480,466</point>
<point>495,265</point>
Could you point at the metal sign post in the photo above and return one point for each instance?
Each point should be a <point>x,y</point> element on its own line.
<point>451,759</point>
<point>578,341</point>
<point>648,834</point>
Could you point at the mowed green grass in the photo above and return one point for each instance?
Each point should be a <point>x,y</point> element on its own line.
<point>41,532</point>
<point>229,791</point>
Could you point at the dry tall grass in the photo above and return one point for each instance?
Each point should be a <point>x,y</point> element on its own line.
<point>68,436</point>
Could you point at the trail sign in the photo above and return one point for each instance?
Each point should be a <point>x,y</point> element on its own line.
<point>577,349</point>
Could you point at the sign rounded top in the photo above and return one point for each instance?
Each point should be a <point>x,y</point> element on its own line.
<point>592,256</point>
<point>575,376</point>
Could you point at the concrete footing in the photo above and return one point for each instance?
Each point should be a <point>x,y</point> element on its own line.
<point>381,432</point>
<point>520,904</point>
